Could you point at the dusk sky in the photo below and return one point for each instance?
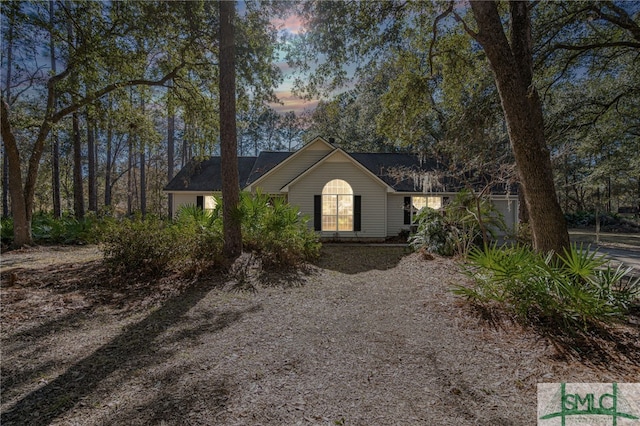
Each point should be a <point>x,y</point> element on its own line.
<point>293,26</point>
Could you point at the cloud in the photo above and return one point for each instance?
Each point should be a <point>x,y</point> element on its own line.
<point>292,103</point>
<point>284,67</point>
<point>292,24</point>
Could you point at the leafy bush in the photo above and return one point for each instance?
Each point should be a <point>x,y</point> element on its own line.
<point>191,215</point>
<point>576,289</point>
<point>6,230</point>
<point>201,230</point>
<point>457,227</point>
<point>276,231</point>
<point>608,221</point>
<point>271,228</point>
<point>435,233</point>
<point>146,246</point>
<point>46,229</point>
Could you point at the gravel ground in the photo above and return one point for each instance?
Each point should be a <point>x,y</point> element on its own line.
<point>368,336</point>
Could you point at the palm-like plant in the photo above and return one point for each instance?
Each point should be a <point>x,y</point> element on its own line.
<point>577,288</point>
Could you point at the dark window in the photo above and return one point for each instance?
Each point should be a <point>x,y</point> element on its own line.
<point>357,213</point>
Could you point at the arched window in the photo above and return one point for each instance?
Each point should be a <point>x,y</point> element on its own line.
<point>337,206</point>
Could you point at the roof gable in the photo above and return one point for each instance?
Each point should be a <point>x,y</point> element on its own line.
<point>318,144</point>
<point>265,162</point>
<point>337,155</point>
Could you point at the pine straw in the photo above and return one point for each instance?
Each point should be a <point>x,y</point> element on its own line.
<point>368,339</point>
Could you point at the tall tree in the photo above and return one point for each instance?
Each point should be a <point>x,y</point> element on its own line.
<point>587,68</point>
<point>78,186</point>
<point>228,137</point>
<point>376,28</point>
<point>291,129</point>
<point>512,63</point>
<point>55,142</point>
<point>88,56</point>
<point>171,143</point>
<point>123,44</point>
<point>92,184</point>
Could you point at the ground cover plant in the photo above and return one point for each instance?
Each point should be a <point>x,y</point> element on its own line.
<point>578,290</point>
<point>47,229</point>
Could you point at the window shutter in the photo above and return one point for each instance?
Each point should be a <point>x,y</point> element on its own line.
<point>407,210</point>
<point>357,213</point>
<point>200,202</point>
<point>317,212</point>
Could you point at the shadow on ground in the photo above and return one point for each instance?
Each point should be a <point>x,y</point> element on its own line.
<point>134,348</point>
<point>612,346</point>
<point>354,259</point>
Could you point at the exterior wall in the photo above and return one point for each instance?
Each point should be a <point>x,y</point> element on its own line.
<point>190,198</point>
<point>373,193</point>
<point>293,167</point>
<point>508,207</point>
<point>181,199</point>
<point>395,214</point>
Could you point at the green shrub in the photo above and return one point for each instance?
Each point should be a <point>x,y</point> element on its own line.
<point>191,215</point>
<point>575,289</point>
<point>276,231</point>
<point>146,246</point>
<point>6,230</point>
<point>435,234</point>
<point>271,228</point>
<point>46,229</point>
<point>457,227</point>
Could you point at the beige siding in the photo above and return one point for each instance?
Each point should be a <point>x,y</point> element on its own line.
<point>292,167</point>
<point>190,198</point>
<point>508,207</point>
<point>180,200</point>
<point>395,214</point>
<point>373,193</point>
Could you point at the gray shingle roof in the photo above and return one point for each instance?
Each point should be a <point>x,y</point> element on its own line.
<point>402,171</point>
<point>398,170</point>
<point>206,175</point>
<point>265,162</point>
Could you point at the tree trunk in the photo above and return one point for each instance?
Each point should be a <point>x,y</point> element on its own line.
<point>78,187</point>
<point>228,138</point>
<point>5,182</point>
<point>108,163</point>
<point>55,143</point>
<point>171,128</point>
<point>91,165</point>
<point>7,88</point>
<point>513,72</point>
<point>143,182</point>
<point>55,175</point>
<point>19,208</point>
<point>130,178</point>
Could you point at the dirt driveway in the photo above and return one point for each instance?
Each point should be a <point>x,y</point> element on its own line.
<point>367,337</point>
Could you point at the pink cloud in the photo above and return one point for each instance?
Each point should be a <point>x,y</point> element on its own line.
<point>292,24</point>
<point>292,103</point>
